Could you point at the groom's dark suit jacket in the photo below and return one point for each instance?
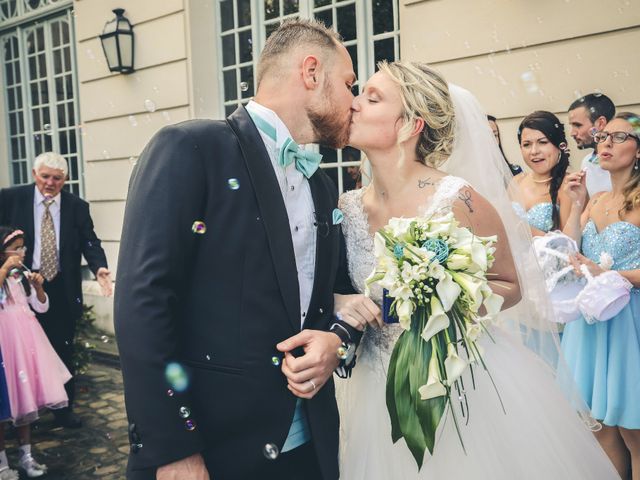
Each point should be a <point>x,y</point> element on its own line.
<point>217,302</point>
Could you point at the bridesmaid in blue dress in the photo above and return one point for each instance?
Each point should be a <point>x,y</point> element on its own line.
<point>605,356</point>
<point>544,149</point>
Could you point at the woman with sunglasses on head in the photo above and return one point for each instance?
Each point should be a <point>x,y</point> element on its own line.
<point>605,356</point>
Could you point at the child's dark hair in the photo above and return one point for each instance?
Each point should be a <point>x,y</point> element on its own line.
<point>4,234</point>
<point>553,129</point>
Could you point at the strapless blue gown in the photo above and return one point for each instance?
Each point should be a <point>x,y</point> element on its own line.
<point>539,216</point>
<point>605,356</point>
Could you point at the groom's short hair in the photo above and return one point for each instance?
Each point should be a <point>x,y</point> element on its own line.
<point>292,34</point>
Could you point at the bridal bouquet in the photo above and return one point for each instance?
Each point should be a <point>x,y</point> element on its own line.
<point>435,274</point>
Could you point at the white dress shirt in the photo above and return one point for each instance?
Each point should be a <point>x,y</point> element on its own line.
<point>298,201</point>
<point>38,212</point>
<point>598,179</point>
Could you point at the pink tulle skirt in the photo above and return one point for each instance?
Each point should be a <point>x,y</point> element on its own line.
<point>34,372</point>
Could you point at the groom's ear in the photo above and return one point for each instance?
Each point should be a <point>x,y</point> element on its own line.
<point>311,72</point>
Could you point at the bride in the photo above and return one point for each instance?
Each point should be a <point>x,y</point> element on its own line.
<point>431,152</point>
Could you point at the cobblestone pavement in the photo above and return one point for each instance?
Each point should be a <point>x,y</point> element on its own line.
<point>99,449</point>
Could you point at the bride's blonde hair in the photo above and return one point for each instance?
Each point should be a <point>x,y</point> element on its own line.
<point>425,95</point>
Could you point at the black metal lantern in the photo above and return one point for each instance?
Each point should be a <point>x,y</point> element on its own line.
<point>117,43</point>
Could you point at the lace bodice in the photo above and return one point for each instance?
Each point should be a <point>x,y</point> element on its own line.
<point>621,240</point>
<point>378,343</point>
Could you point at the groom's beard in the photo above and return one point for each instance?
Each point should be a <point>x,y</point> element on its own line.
<point>330,127</point>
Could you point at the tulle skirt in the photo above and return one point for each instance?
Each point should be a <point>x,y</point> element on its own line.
<point>539,437</point>
<point>605,360</point>
<point>35,375</point>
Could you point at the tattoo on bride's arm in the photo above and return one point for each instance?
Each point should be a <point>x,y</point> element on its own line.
<point>466,198</point>
<point>424,183</point>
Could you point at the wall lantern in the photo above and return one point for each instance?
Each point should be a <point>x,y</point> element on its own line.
<point>117,43</point>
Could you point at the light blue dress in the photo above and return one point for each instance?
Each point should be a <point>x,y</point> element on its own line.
<point>605,356</point>
<point>539,216</point>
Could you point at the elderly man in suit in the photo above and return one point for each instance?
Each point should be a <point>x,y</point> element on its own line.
<point>58,232</point>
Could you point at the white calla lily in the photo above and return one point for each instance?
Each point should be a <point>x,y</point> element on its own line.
<point>438,320</point>
<point>434,387</point>
<point>493,304</point>
<point>448,291</point>
<point>399,227</point>
<point>458,261</point>
<point>474,331</point>
<point>453,365</point>
<point>404,310</point>
<point>472,286</point>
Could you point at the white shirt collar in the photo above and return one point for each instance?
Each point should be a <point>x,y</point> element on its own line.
<point>39,198</point>
<point>282,132</point>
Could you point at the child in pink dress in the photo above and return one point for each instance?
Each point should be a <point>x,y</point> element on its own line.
<point>34,373</point>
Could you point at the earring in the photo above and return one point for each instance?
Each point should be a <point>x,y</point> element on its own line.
<point>635,167</point>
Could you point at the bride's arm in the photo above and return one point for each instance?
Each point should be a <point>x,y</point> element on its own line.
<point>476,213</point>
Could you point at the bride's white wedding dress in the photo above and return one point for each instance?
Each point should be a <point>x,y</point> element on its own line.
<point>539,437</point>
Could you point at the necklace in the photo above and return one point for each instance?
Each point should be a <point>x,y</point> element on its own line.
<point>541,181</point>
<point>607,209</point>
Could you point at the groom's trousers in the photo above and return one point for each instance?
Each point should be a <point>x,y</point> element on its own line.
<point>298,464</point>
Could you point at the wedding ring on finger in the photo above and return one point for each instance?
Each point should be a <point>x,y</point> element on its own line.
<point>312,384</point>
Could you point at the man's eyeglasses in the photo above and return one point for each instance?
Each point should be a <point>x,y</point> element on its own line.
<point>616,137</point>
<point>19,251</point>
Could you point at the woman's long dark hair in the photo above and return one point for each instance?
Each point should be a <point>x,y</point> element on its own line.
<point>553,129</point>
<point>4,233</point>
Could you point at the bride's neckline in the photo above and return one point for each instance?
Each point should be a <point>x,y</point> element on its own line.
<point>365,215</point>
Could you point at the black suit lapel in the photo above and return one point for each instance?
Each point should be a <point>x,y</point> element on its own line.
<point>66,224</point>
<point>272,209</point>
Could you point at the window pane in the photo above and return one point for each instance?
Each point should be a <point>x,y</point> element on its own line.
<point>7,8</point>
<point>351,178</point>
<point>226,14</point>
<point>271,9</point>
<point>290,6</point>
<point>245,45</point>
<point>321,3</point>
<point>384,50</point>
<point>325,17</point>
<point>228,50</point>
<point>347,22</point>
<point>269,29</point>
<point>329,155</point>
<point>382,16</point>
<point>246,75</point>
<point>230,85</point>
<point>229,109</point>
<point>244,12</point>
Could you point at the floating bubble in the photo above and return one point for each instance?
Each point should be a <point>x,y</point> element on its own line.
<point>177,377</point>
<point>578,95</point>
<point>592,110</point>
<point>234,184</point>
<point>271,451</point>
<point>22,376</point>
<point>467,45</point>
<point>133,120</point>
<point>529,81</point>
<point>170,393</point>
<point>208,357</point>
<point>539,19</point>
<point>108,436</point>
<point>106,155</point>
<point>47,129</point>
<point>190,425</point>
<point>166,116</point>
<point>199,227</point>
<point>156,89</point>
<point>90,54</point>
<point>104,339</point>
<point>275,361</point>
<point>149,105</point>
<point>184,412</point>
<point>133,160</point>
<point>244,86</point>
<point>597,92</point>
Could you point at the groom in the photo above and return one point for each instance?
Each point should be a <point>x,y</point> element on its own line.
<point>227,264</point>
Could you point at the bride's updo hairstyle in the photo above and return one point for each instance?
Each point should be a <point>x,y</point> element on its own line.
<point>425,95</point>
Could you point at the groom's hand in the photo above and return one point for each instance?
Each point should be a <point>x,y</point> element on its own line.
<point>308,373</point>
<point>190,468</point>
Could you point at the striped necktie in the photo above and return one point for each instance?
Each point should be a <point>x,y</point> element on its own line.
<point>48,249</point>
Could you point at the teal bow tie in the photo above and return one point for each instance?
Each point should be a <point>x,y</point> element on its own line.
<point>307,162</point>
